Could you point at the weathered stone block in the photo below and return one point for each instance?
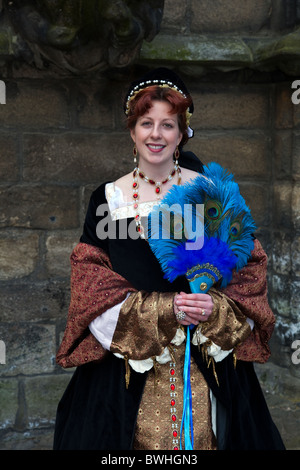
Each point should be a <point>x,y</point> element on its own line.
<point>295,302</point>
<point>9,167</point>
<point>35,104</point>
<point>21,415</point>
<point>295,204</point>
<point>282,205</point>
<point>174,15</point>
<point>281,391</point>
<point>58,250</point>
<point>95,105</point>
<point>76,157</point>
<point>19,254</point>
<point>200,51</point>
<point>30,348</point>
<point>283,107</point>
<point>280,346</point>
<point>39,207</point>
<point>296,156</point>
<point>230,16</point>
<point>86,195</point>
<point>281,295</point>
<point>257,197</point>
<point>34,301</point>
<point>295,250</point>
<point>281,253</point>
<point>42,396</point>
<point>265,238</point>
<point>33,439</point>
<point>245,155</point>
<point>8,401</point>
<point>283,149</point>
<point>233,108</point>
<point>277,380</point>
<point>296,112</point>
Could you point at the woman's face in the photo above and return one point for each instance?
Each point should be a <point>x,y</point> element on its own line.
<point>156,134</point>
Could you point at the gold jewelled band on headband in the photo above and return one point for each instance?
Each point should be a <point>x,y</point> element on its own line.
<point>142,85</point>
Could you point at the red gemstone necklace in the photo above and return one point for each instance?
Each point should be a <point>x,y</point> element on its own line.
<point>158,184</point>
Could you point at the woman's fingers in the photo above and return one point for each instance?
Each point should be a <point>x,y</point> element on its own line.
<point>197,307</point>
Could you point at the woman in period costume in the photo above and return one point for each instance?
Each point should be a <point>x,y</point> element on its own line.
<point>122,327</point>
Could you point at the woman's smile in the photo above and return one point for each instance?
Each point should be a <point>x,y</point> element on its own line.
<point>155,147</point>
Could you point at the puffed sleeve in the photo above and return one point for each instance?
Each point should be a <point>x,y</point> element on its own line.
<point>146,325</point>
<point>95,288</point>
<point>242,320</point>
<point>248,289</point>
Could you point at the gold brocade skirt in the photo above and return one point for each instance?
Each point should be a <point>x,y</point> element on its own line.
<point>160,412</point>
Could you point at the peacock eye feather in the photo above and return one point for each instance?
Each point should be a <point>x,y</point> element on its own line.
<point>235,229</point>
<point>176,226</point>
<point>213,210</point>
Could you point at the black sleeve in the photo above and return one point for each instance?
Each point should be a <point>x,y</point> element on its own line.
<point>89,234</point>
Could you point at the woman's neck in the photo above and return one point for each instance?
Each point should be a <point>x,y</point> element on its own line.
<point>156,173</point>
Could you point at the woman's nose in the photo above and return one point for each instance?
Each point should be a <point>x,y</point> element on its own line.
<point>156,131</point>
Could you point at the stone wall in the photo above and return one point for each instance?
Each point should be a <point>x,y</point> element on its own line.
<point>60,137</point>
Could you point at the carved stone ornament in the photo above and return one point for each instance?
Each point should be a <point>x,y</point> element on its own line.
<point>79,36</point>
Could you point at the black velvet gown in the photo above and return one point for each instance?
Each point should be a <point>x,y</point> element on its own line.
<point>97,412</point>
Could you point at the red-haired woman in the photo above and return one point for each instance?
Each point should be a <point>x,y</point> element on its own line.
<point>125,330</point>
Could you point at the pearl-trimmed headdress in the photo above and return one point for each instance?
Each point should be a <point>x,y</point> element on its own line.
<point>153,80</point>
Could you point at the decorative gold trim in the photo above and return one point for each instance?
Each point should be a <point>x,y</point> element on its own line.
<point>127,371</point>
<point>209,266</point>
<point>209,359</point>
<point>155,368</point>
<point>234,359</point>
<point>210,276</point>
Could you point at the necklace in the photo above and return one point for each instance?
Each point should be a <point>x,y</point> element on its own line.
<point>158,184</point>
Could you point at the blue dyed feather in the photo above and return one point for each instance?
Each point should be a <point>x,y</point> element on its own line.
<point>215,186</point>
<point>214,253</point>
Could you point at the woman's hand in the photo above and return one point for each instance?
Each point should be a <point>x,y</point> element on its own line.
<point>197,307</point>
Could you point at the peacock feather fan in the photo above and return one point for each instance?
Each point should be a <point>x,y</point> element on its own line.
<point>202,230</point>
<point>204,223</point>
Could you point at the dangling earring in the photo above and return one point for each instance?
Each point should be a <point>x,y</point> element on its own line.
<point>134,154</point>
<point>176,155</point>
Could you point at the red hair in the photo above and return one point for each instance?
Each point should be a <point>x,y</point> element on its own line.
<point>143,101</point>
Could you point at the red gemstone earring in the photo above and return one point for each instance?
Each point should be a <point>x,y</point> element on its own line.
<point>135,152</point>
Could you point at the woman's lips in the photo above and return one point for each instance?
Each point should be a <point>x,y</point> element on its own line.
<point>155,147</point>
